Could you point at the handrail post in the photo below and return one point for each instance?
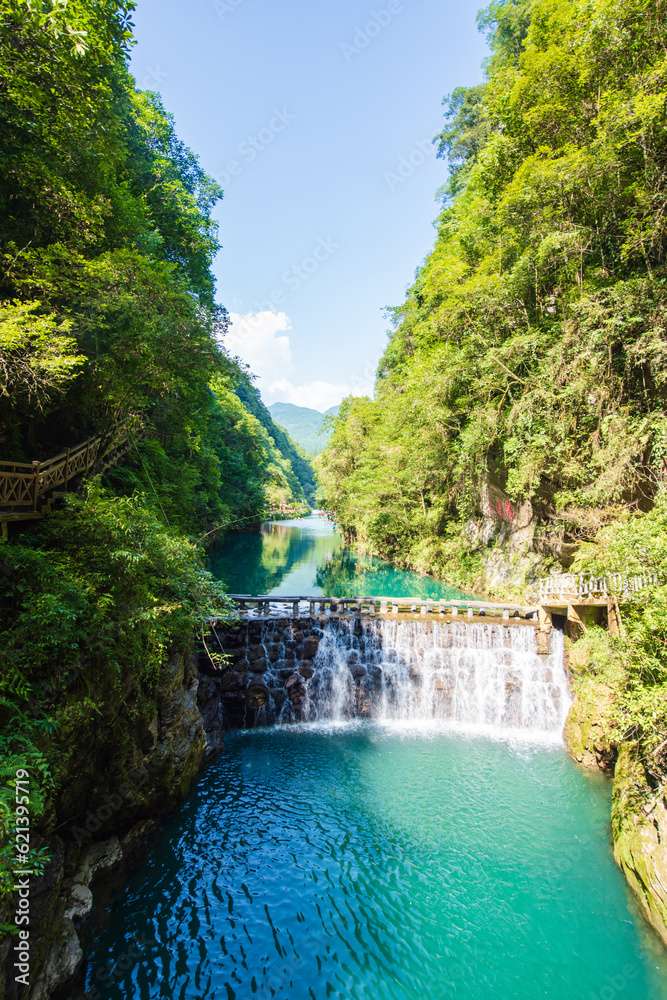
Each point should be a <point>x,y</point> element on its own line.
<point>35,485</point>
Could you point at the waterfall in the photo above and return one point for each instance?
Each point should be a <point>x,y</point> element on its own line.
<point>471,675</point>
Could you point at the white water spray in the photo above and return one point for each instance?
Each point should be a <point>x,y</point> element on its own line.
<point>487,677</point>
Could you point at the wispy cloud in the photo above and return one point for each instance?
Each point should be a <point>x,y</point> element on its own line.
<point>262,340</point>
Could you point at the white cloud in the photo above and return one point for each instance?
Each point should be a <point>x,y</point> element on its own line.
<point>318,395</point>
<point>262,340</point>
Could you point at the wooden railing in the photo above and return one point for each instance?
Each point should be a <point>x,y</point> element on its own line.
<point>298,607</point>
<point>588,587</point>
<point>23,485</point>
<point>567,587</point>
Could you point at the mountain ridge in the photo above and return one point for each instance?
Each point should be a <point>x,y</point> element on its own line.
<point>304,425</point>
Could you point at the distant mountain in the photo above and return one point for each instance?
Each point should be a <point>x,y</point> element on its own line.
<point>305,426</point>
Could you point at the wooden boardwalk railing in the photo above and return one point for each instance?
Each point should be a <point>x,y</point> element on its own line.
<point>586,587</point>
<point>24,486</point>
<point>299,606</point>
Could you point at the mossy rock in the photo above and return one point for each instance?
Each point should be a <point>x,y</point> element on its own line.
<point>589,724</point>
<point>639,830</point>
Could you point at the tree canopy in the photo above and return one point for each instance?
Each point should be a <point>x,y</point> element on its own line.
<point>107,305</point>
<point>528,362</point>
<point>108,310</point>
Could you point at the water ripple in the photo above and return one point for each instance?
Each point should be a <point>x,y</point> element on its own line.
<point>356,862</point>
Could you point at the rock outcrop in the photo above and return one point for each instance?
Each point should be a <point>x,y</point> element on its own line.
<point>117,783</point>
<point>639,810</point>
<point>639,829</point>
<point>588,724</point>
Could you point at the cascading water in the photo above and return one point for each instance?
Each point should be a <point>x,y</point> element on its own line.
<point>485,676</point>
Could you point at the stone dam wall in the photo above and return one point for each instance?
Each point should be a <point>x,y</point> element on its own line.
<point>294,669</point>
<point>269,664</point>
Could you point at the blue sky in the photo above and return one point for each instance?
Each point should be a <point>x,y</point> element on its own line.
<point>317,118</point>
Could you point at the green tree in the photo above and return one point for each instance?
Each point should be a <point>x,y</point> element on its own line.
<point>528,359</point>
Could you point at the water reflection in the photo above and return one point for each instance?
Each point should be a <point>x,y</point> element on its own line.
<point>307,556</point>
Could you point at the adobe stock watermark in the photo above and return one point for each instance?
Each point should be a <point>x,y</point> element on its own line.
<point>22,874</point>
<point>254,145</point>
<point>408,165</point>
<point>225,7</point>
<point>617,986</point>
<point>153,78</point>
<point>103,980</point>
<point>364,36</point>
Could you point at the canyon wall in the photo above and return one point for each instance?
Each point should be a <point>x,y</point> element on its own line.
<point>120,783</point>
<point>639,801</point>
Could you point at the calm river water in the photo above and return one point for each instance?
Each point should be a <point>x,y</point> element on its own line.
<point>366,861</point>
<point>307,557</point>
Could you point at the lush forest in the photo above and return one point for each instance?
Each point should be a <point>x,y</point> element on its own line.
<point>108,312</point>
<point>518,422</point>
<point>528,362</point>
<point>519,417</point>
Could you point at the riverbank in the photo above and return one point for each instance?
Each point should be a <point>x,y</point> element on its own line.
<point>109,803</point>
<point>639,798</point>
<point>100,682</point>
<point>114,793</point>
<point>305,556</point>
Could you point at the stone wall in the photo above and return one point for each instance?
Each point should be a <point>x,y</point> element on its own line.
<point>265,681</point>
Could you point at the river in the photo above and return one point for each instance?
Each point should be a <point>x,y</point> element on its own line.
<point>370,860</point>
<point>308,557</point>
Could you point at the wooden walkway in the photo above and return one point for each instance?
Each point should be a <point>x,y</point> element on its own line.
<point>26,488</point>
<point>579,600</point>
<point>302,607</point>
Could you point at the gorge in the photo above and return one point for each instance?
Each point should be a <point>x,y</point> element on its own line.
<point>412,745</point>
<point>372,744</point>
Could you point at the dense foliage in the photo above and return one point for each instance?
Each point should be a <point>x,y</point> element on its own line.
<point>519,421</point>
<point>304,475</point>
<point>107,239</point>
<point>524,382</point>
<point>107,310</point>
<point>92,602</point>
<point>633,666</point>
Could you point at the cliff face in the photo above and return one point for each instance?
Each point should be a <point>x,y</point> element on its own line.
<point>107,808</point>
<point>639,810</point>
<point>587,726</point>
<point>639,829</point>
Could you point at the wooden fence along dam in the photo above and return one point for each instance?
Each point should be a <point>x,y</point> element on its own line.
<point>576,600</point>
